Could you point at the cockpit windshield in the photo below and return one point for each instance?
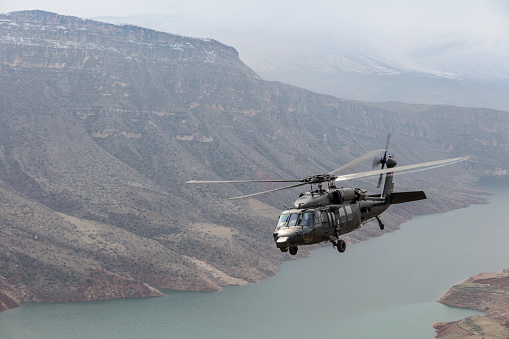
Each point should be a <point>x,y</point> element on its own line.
<point>293,219</point>
<point>283,219</point>
<point>304,219</point>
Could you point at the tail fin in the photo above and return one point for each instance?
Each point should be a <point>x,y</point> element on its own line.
<point>399,197</point>
<point>388,186</point>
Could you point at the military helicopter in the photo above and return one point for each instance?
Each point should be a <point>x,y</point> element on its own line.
<point>325,214</point>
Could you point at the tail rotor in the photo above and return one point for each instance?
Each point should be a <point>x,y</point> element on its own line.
<point>382,161</point>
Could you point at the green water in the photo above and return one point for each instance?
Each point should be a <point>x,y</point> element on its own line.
<point>382,288</point>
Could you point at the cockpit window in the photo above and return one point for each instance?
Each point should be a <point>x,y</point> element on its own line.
<point>293,219</point>
<point>306,219</point>
<point>283,219</point>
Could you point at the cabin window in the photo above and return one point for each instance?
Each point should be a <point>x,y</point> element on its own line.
<point>325,218</point>
<point>318,218</point>
<point>306,219</point>
<point>349,213</point>
<point>342,215</point>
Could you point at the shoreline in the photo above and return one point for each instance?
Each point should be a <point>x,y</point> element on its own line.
<point>486,292</point>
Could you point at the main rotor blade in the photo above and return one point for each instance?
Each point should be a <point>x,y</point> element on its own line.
<point>336,172</point>
<point>274,190</point>
<point>355,162</point>
<point>387,141</point>
<point>402,168</point>
<point>236,181</point>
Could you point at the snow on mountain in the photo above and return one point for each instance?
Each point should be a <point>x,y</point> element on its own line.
<point>367,64</point>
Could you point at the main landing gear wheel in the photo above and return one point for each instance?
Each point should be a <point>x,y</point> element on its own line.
<point>284,249</point>
<point>341,245</point>
<point>293,250</point>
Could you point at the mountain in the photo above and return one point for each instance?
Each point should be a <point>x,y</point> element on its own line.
<point>373,78</point>
<point>336,64</point>
<point>101,126</point>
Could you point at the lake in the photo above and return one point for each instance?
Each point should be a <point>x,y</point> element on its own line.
<point>385,287</point>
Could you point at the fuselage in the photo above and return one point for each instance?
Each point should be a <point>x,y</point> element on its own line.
<point>325,215</point>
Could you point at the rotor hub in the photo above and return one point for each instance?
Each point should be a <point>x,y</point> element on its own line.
<point>320,178</point>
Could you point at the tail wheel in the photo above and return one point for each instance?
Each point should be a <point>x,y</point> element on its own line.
<point>293,250</point>
<point>341,245</point>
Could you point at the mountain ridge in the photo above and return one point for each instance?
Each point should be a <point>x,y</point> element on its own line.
<point>328,65</point>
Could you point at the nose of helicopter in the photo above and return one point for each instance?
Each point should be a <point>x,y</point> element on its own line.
<point>283,242</point>
<point>286,237</point>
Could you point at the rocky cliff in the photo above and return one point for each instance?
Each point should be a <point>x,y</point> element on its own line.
<point>101,126</point>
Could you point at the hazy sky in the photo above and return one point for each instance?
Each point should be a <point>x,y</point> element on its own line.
<point>414,29</point>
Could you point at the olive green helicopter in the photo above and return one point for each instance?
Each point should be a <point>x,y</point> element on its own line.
<point>325,214</point>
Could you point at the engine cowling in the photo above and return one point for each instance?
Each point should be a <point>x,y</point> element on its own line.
<point>341,195</point>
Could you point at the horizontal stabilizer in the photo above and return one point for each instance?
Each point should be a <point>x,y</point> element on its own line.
<point>402,197</point>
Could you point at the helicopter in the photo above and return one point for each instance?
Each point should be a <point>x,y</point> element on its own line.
<point>325,214</point>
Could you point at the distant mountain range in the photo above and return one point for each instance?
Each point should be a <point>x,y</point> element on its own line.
<point>370,78</point>
<point>102,125</point>
<point>340,70</point>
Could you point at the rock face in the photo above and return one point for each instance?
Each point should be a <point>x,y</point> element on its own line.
<point>101,126</point>
<point>487,292</point>
<point>7,297</point>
